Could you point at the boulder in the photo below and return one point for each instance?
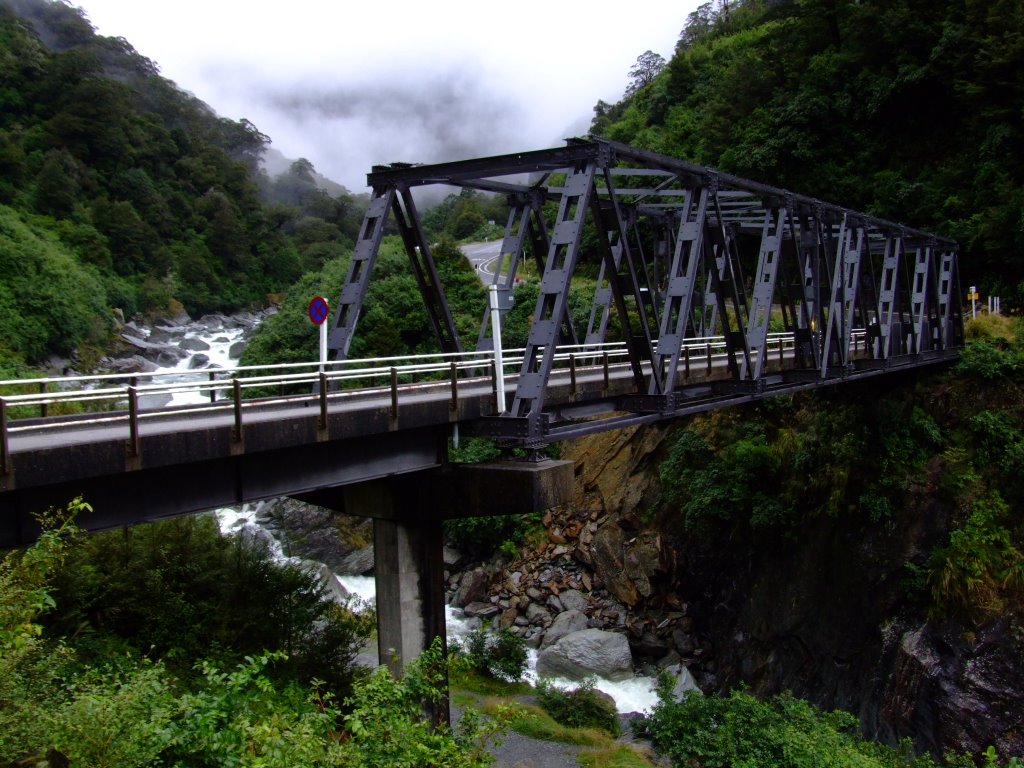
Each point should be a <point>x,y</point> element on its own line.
<point>627,564</point>
<point>194,345</point>
<point>683,642</point>
<point>563,624</point>
<point>452,557</point>
<point>578,655</point>
<point>359,562</point>
<point>537,615</point>
<point>481,609</point>
<point>236,349</point>
<point>606,554</point>
<point>573,600</point>
<point>130,364</point>
<point>199,360</point>
<point>472,588</point>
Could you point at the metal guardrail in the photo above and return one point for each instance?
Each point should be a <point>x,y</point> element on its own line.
<point>123,396</point>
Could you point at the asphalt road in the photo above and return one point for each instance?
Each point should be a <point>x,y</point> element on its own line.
<point>484,257</point>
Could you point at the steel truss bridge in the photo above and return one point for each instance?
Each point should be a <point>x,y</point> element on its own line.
<point>722,291</point>
<point>685,252</point>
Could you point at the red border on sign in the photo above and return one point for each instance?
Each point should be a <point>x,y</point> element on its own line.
<point>317,302</point>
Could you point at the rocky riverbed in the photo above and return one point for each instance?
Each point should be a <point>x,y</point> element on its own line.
<point>177,342</point>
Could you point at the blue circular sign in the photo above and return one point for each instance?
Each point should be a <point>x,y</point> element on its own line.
<point>318,310</point>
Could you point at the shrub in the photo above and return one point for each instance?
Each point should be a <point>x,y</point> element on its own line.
<point>980,572</point>
<point>783,732</point>
<point>482,536</point>
<point>580,707</point>
<point>500,655</point>
<point>181,591</point>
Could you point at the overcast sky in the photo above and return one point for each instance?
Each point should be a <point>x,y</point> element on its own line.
<point>351,84</point>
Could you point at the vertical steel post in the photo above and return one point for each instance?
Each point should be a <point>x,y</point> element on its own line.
<point>133,422</point>
<point>5,450</point>
<point>499,362</point>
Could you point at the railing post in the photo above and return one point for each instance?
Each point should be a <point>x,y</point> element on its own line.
<point>133,422</point>
<point>323,401</point>
<point>604,365</point>
<point>453,406</point>
<point>782,344</point>
<point>394,394</point>
<point>498,406</point>
<point>686,363</point>
<point>5,457</point>
<point>709,357</point>
<point>572,375</point>
<point>236,396</point>
<point>42,406</point>
<point>213,391</point>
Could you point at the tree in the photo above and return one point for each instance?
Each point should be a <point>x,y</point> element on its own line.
<point>648,65</point>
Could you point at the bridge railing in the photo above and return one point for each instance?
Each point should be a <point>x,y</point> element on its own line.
<point>50,403</point>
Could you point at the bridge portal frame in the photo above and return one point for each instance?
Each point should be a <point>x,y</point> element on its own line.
<point>820,270</point>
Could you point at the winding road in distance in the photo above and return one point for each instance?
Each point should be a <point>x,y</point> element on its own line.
<point>483,257</point>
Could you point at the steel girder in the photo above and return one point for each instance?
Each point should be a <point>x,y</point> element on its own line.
<point>672,242</point>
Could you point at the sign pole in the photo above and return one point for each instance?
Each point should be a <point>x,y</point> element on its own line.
<point>323,346</point>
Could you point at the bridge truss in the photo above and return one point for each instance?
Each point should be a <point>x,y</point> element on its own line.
<point>685,252</point>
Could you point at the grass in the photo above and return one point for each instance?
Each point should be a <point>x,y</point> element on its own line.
<point>991,327</point>
<point>532,721</point>
<point>499,700</point>
<point>468,681</point>
<point>616,756</point>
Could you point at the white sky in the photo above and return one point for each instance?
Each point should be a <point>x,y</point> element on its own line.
<point>349,85</point>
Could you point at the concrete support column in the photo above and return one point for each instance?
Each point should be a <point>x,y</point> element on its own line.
<point>408,570</point>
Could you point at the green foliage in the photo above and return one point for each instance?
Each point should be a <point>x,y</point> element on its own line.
<point>132,182</point>
<point>385,727</point>
<point>394,320</point>
<point>980,573</point>
<point>783,732</point>
<point>481,536</point>
<point>241,718</point>
<point>617,756</point>
<point>177,589</point>
<point>989,359</point>
<point>49,303</point>
<point>465,216</point>
<point>134,713</point>
<point>579,707</point>
<point>500,655</point>
<point>821,97</point>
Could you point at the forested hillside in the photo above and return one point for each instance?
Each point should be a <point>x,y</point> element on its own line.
<point>907,109</point>
<point>120,191</point>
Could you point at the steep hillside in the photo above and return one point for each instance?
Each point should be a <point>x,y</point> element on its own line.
<point>908,109</point>
<point>143,193</point>
<point>862,548</point>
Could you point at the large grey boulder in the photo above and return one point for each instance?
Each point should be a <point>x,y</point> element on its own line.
<point>578,655</point>
<point>573,600</point>
<point>564,623</point>
<point>360,562</point>
<point>472,588</point>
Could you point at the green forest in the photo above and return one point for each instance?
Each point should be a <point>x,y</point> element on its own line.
<point>910,110</point>
<point>122,195</point>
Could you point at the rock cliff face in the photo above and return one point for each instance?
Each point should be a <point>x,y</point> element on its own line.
<point>826,614</point>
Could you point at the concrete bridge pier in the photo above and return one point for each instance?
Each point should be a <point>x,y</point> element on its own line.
<point>408,511</point>
<point>408,570</point>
